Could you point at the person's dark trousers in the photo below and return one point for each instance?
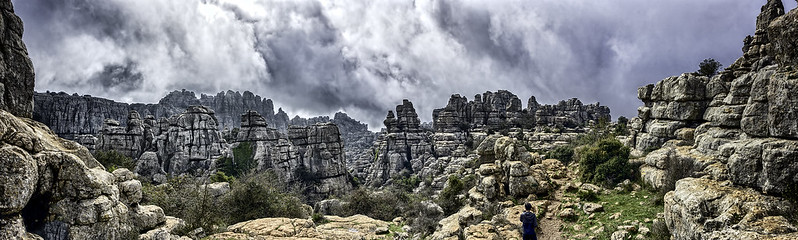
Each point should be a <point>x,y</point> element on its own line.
<point>530,237</point>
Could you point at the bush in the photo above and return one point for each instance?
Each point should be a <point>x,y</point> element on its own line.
<point>448,199</point>
<point>113,160</point>
<point>709,67</point>
<point>564,153</point>
<point>259,196</point>
<point>182,197</point>
<point>252,196</point>
<point>385,205</point>
<point>605,162</point>
<point>406,184</point>
<point>242,162</point>
<point>589,196</point>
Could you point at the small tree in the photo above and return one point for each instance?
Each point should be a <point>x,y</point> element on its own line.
<point>709,67</point>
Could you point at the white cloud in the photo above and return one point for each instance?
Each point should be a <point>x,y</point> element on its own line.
<point>364,57</point>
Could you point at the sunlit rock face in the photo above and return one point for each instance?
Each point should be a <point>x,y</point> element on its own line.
<point>730,138</point>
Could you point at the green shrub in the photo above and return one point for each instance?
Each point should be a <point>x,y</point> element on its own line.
<point>605,162</point>
<point>385,205</point>
<point>589,196</point>
<point>709,67</point>
<point>564,153</point>
<point>113,160</point>
<point>242,162</point>
<point>251,196</point>
<point>406,184</point>
<point>220,176</point>
<point>261,195</point>
<point>448,199</point>
<point>182,197</point>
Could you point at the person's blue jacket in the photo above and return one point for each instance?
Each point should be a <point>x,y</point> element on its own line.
<point>530,222</point>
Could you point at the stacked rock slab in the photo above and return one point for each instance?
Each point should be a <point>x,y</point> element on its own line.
<point>191,141</point>
<point>51,187</point>
<point>505,170</point>
<point>569,113</point>
<point>401,149</point>
<point>130,140</point>
<point>72,115</point>
<point>502,110</point>
<point>311,157</point>
<point>743,146</point>
<point>16,74</point>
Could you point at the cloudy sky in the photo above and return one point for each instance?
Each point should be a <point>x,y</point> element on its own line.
<point>363,56</point>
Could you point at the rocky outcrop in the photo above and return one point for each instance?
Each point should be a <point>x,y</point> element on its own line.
<point>569,113</point>
<point>54,188</point>
<point>352,227</point>
<point>503,110</point>
<point>706,209</point>
<point>401,149</point>
<point>72,115</point>
<point>191,141</point>
<point>16,75</point>
<point>356,137</point>
<point>311,157</point>
<point>506,170</point>
<point>736,131</point>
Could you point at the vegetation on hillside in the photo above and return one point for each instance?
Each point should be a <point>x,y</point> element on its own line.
<point>113,160</point>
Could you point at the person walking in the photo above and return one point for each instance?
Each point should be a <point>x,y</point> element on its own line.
<point>530,222</point>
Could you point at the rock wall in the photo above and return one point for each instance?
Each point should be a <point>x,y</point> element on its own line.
<point>51,187</point>
<point>16,75</point>
<point>401,149</point>
<point>72,115</point>
<point>309,157</point>
<point>728,139</point>
<point>503,110</point>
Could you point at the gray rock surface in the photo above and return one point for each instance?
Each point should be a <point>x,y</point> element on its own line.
<point>503,109</point>
<point>16,74</point>
<point>737,158</point>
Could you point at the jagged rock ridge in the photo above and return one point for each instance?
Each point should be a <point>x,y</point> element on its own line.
<point>728,142</point>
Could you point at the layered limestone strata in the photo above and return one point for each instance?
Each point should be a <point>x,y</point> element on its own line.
<point>731,139</point>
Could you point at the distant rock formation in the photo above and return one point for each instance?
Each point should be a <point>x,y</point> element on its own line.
<point>310,157</point>
<point>502,110</point>
<point>73,115</point>
<point>728,140</point>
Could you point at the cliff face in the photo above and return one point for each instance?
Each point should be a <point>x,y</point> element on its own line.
<point>73,115</point>
<point>502,109</point>
<point>51,187</point>
<point>404,148</point>
<point>730,139</point>
<point>16,74</point>
<point>310,157</point>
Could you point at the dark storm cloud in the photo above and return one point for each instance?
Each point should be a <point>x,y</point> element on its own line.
<point>364,57</point>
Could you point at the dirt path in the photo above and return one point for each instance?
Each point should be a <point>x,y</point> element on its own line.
<point>550,225</point>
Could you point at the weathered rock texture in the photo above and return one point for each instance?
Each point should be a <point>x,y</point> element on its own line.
<point>71,115</point>
<point>311,157</point>
<point>506,170</point>
<point>352,227</point>
<point>54,188</point>
<point>16,74</point>
<point>502,110</point>
<point>736,131</point>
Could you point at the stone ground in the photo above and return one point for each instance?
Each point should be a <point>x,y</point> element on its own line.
<point>551,225</point>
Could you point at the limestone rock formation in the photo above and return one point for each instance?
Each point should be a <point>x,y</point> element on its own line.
<point>706,209</point>
<point>191,142</point>
<point>312,156</point>
<point>72,115</point>
<point>352,227</point>
<point>505,170</point>
<point>16,75</point>
<point>402,149</point>
<point>736,131</point>
<point>55,188</point>
<point>502,110</point>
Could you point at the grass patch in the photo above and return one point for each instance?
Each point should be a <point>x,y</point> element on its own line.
<point>628,204</point>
